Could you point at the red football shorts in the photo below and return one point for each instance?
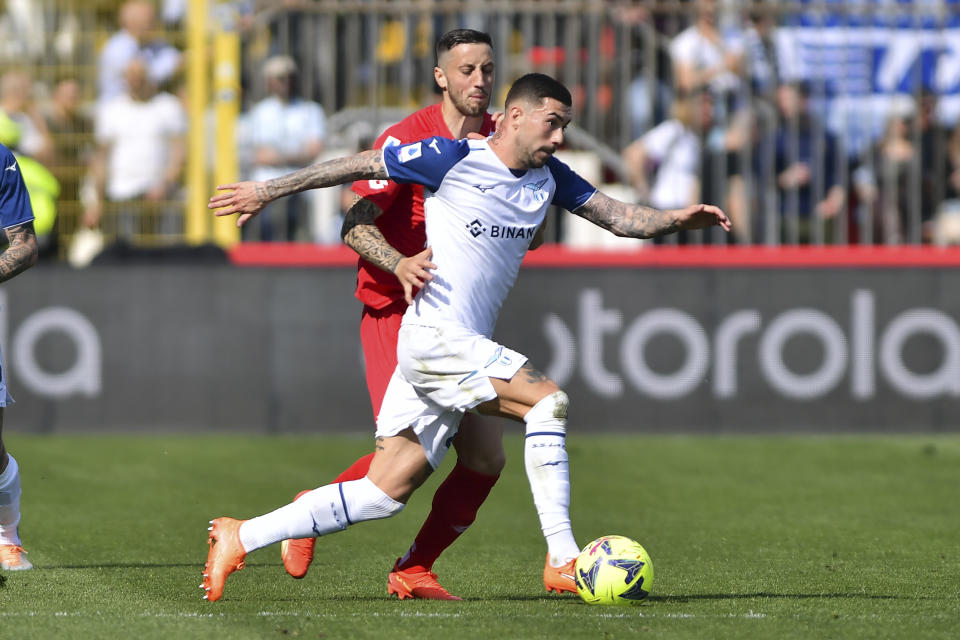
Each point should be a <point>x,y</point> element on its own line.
<point>379,329</point>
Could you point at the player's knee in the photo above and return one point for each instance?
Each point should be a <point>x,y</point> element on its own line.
<point>479,445</point>
<point>489,461</point>
<point>551,408</point>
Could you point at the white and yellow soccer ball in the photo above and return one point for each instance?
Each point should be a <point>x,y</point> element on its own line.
<point>614,570</point>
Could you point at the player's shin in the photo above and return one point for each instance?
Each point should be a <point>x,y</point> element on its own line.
<point>548,470</point>
<point>10,503</point>
<point>329,509</point>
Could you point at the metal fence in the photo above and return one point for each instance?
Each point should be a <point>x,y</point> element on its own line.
<point>873,156</point>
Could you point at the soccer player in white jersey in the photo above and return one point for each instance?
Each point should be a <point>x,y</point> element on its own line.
<point>484,201</point>
<point>16,218</point>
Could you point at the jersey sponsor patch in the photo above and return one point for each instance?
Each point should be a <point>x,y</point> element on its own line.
<point>410,152</point>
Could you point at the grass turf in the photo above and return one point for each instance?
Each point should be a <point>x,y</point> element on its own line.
<point>752,537</point>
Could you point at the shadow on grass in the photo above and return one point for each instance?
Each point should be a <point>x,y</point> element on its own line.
<point>679,599</point>
<point>662,599</point>
<point>144,565</point>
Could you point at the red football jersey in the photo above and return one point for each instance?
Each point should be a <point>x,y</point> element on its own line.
<point>402,221</point>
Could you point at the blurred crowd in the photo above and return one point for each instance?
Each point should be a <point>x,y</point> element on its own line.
<point>712,111</point>
<point>730,119</point>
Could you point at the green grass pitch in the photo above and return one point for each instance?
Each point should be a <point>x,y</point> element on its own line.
<point>751,537</point>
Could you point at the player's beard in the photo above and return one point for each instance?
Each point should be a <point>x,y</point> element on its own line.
<point>537,159</point>
<point>468,107</point>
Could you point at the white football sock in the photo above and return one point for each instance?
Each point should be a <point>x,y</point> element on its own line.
<point>329,509</point>
<point>548,470</point>
<point>10,503</point>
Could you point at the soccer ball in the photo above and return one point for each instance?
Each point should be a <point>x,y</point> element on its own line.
<point>613,570</point>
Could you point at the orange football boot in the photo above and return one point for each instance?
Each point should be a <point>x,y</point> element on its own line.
<point>416,584</point>
<point>297,554</point>
<point>14,558</point>
<point>559,579</point>
<point>226,555</point>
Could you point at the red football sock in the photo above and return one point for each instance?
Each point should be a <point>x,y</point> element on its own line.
<point>356,471</point>
<point>455,506</point>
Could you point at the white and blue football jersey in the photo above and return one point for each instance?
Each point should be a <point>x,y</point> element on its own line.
<point>480,219</point>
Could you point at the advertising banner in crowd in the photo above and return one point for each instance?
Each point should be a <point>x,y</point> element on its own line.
<point>859,56</point>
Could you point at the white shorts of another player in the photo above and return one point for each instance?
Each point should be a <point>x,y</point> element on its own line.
<point>441,373</point>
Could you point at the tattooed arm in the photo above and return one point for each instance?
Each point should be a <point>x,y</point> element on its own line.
<point>249,198</point>
<point>360,233</point>
<point>22,252</point>
<point>637,221</point>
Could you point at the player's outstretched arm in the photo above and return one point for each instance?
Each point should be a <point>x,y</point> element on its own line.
<point>360,233</point>
<point>247,199</point>
<point>637,221</point>
<point>22,252</point>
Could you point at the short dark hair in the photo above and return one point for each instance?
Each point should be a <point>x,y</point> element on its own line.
<point>461,36</point>
<point>537,87</point>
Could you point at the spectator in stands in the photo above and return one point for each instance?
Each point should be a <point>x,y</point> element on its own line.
<point>136,38</point>
<point>945,228</point>
<point>761,66</point>
<point>886,178</point>
<point>952,190</point>
<point>16,101</point>
<point>648,97</point>
<point>934,157</point>
<point>805,168</point>
<point>71,130</point>
<point>173,12</point>
<point>285,132</point>
<point>711,53</point>
<point>703,55</point>
<point>761,69</point>
<point>139,158</point>
<point>672,153</point>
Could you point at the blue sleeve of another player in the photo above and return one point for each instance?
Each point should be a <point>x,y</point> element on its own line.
<point>572,190</point>
<point>14,202</point>
<point>425,162</point>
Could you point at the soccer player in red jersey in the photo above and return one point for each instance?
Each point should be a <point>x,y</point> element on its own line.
<point>385,227</point>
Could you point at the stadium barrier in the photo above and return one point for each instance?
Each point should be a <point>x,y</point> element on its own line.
<point>706,340</point>
<point>864,64</point>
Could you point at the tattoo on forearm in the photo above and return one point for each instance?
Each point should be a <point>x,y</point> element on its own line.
<point>622,219</point>
<point>262,195</point>
<point>379,443</point>
<point>360,233</point>
<point>366,165</point>
<point>22,252</point>
<point>533,376</point>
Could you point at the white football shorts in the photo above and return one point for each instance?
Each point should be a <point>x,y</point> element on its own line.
<point>441,373</point>
<point>5,398</point>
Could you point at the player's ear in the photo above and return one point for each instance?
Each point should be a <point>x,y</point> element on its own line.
<point>514,114</point>
<point>441,79</point>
